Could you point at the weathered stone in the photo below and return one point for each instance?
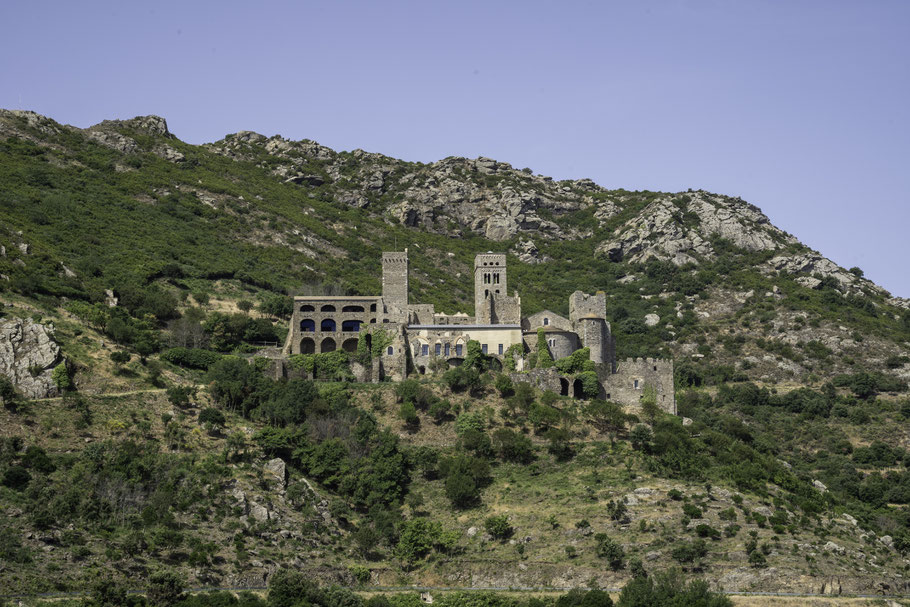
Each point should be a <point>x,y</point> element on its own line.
<point>259,512</point>
<point>820,486</point>
<point>28,354</point>
<point>472,531</point>
<point>652,319</point>
<point>25,248</point>
<point>278,469</point>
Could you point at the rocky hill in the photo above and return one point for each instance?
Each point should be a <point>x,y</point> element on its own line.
<point>133,266</point>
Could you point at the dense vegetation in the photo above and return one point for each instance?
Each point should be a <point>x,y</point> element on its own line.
<point>155,457</point>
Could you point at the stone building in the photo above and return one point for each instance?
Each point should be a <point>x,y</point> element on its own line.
<point>414,336</point>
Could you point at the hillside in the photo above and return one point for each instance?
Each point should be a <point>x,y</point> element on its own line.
<point>140,268</point>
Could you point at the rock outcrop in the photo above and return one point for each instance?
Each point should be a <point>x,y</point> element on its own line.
<point>681,230</point>
<point>28,354</point>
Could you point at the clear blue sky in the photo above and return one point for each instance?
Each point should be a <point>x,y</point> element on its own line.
<point>802,108</point>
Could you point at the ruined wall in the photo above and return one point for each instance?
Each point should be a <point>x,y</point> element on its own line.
<point>626,385</point>
<point>421,314</point>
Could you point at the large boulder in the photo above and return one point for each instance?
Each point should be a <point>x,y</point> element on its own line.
<point>28,355</point>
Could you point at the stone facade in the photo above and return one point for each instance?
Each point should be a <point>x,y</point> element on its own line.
<point>417,340</point>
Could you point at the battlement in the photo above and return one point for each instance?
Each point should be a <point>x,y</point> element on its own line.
<point>395,257</point>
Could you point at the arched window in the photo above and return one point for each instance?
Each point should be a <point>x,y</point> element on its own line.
<point>352,309</point>
<point>327,308</point>
<point>307,325</point>
<point>546,321</point>
<point>372,307</point>
<point>390,350</point>
<point>327,325</point>
<point>307,308</point>
<point>350,325</point>
<point>349,345</point>
<point>307,346</point>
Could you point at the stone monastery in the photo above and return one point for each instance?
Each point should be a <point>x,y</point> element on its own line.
<point>418,336</point>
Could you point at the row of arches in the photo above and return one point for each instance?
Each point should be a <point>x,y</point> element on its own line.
<point>308,345</point>
<point>328,325</point>
<point>331,308</point>
<point>577,388</point>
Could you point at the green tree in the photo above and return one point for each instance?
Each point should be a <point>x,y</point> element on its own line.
<point>164,589</point>
<point>609,550</point>
<point>61,377</point>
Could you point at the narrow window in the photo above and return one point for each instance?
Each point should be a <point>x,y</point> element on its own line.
<point>655,368</point>
<point>447,349</point>
<point>457,349</point>
<point>483,348</point>
<point>495,279</point>
<point>500,349</point>
<point>635,384</point>
<point>438,349</point>
<point>425,350</point>
<point>391,351</point>
<point>546,321</point>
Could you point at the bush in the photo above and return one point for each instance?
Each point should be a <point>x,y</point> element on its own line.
<point>688,552</point>
<point>499,527</point>
<point>470,421</point>
<point>608,549</point>
<point>213,419</point>
<point>191,358</point>
<point>669,588</point>
<point>461,379</point>
<point>504,386</point>
<point>513,446</point>
<point>691,511</point>
<point>408,414</point>
<point>16,478</point>
<point>439,411</point>
<point>703,530</point>
<point>164,589</point>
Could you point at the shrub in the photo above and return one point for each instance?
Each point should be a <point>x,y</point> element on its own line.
<point>181,396</point>
<point>439,410</point>
<point>470,421</point>
<point>212,418</point>
<point>691,511</point>
<point>61,377</point>
<point>608,549</point>
<point>16,478</point>
<point>499,527</point>
<point>504,386</point>
<point>461,379</point>
<point>408,414</point>
<point>513,446</point>
<point>688,552</point>
<point>164,589</point>
<point>703,530</point>
<point>191,358</point>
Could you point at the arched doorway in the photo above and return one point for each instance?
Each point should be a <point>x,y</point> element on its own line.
<point>307,346</point>
<point>349,345</point>
<point>350,326</point>
<point>455,362</point>
<point>563,386</point>
<point>327,325</point>
<point>578,389</point>
<point>328,345</point>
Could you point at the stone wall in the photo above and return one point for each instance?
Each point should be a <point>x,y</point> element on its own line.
<point>395,279</point>
<point>626,385</point>
<point>582,305</point>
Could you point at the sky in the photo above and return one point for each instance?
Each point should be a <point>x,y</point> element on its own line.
<point>800,107</point>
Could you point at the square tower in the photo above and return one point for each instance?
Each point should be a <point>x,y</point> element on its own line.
<point>395,279</point>
<point>489,282</point>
